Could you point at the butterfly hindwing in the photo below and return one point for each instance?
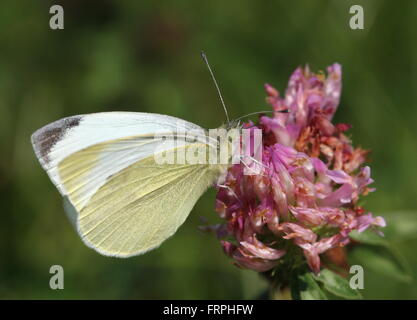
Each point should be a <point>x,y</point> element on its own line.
<point>141,206</point>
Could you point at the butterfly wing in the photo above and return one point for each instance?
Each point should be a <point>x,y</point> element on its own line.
<point>58,140</point>
<point>141,206</point>
<point>125,203</point>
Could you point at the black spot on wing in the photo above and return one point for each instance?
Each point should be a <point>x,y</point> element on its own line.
<point>45,138</point>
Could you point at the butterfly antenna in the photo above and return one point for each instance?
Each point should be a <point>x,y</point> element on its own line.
<point>203,55</point>
<point>258,112</point>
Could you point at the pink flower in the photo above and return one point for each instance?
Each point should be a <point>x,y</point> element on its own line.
<point>312,250</point>
<point>306,195</point>
<point>295,231</point>
<point>256,256</point>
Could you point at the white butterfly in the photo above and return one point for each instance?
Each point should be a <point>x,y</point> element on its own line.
<point>121,201</point>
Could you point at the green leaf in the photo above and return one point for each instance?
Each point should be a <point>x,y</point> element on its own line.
<point>368,237</point>
<point>401,225</point>
<point>385,260</point>
<point>337,285</point>
<point>305,287</point>
<point>380,255</point>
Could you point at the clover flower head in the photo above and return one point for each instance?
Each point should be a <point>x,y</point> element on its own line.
<point>304,202</point>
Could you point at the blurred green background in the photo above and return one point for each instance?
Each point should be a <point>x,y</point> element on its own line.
<point>145,56</point>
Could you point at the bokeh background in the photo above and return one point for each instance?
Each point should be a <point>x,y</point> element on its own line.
<point>144,56</point>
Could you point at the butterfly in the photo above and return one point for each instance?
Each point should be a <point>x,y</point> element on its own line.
<point>122,202</point>
<point>120,199</point>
